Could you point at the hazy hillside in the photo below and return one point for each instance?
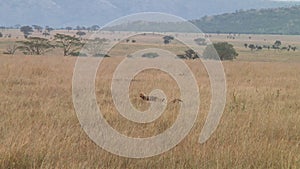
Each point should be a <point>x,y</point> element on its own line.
<point>148,26</point>
<point>265,21</point>
<point>61,13</point>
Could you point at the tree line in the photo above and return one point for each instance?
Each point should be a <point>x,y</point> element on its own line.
<point>70,45</point>
<point>28,30</point>
<point>277,46</point>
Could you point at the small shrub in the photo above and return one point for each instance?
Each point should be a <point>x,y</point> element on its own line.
<point>189,54</point>
<point>168,39</point>
<point>200,41</point>
<point>77,54</point>
<point>101,55</point>
<point>150,55</point>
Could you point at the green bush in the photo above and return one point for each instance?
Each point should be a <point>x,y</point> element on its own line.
<point>221,50</point>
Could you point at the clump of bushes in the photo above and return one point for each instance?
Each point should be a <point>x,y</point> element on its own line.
<point>189,54</point>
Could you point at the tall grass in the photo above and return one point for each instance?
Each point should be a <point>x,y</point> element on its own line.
<point>39,128</point>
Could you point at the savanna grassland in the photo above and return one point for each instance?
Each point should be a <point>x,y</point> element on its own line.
<point>260,127</point>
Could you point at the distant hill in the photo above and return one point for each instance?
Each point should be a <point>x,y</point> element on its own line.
<point>149,26</point>
<point>255,21</point>
<point>263,21</point>
<point>62,13</point>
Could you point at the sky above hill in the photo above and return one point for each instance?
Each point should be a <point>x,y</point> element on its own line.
<point>62,13</point>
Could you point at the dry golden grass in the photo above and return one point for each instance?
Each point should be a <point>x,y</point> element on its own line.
<point>259,128</point>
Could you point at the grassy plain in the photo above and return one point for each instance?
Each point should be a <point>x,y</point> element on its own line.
<point>260,127</point>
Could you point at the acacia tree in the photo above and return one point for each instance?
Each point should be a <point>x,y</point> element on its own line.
<point>252,47</point>
<point>11,49</point>
<point>27,30</point>
<point>69,44</point>
<point>35,46</point>
<point>95,27</point>
<point>80,33</point>
<point>94,47</point>
<point>37,28</point>
<point>69,28</point>
<point>48,28</point>
<point>46,34</point>
<point>276,44</point>
<point>79,28</point>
